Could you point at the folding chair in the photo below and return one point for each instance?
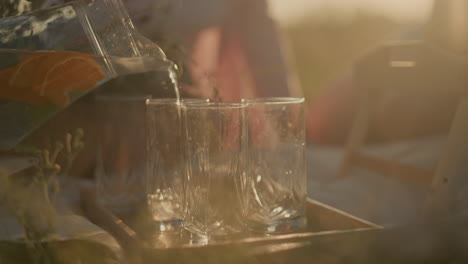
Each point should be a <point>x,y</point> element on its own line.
<point>419,67</point>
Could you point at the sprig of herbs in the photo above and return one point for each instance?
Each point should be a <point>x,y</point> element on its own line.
<point>13,7</point>
<point>27,202</point>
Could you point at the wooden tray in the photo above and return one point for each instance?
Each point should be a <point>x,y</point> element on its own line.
<point>331,234</point>
<point>327,228</point>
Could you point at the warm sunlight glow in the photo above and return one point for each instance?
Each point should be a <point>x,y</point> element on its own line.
<point>291,11</point>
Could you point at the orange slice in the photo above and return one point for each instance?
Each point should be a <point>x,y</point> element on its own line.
<point>63,72</point>
<point>50,76</point>
<point>23,74</point>
<point>18,92</point>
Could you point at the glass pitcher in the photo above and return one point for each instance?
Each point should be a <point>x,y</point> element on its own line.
<point>50,58</point>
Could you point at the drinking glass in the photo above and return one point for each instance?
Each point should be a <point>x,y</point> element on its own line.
<point>276,174</point>
<point>215,145</point>
<point>165,161</point>
<point>120,166</point>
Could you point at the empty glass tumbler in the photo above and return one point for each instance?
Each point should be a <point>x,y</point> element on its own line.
<point>216,144</point>
<point>165,161</point>
<point>276,176</point>
<point>120,166</point>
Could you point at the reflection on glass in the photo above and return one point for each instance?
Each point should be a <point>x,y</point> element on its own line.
<point>276,176</point>
<point>165,161</point>
<point>215,144</point>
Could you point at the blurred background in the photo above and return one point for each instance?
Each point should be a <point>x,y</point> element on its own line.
<point>326,36</point>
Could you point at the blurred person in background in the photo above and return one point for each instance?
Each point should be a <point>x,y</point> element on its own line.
<point>228,49</point>
<point>233,49</point>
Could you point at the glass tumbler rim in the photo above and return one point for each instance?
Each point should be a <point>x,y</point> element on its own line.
<point>215,105</point>
<point>122,98</point>
<point>274,100</point>
<point>154,101</point>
